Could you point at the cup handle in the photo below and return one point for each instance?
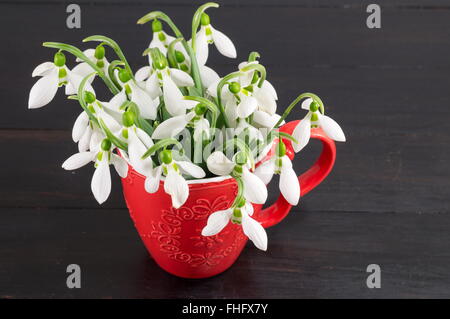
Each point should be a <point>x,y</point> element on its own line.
<point>275,213</point>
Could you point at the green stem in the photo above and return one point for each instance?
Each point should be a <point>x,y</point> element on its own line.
<point>171,53</point>
<point>113,44</point>
<point>77,52</point>
<point>112,66</point>
<point>222,82</point>
<point>159,145</point>
<point>253,56</point>
<point>295,102</point>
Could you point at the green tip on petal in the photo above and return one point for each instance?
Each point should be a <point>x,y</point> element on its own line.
<point>281,149</point>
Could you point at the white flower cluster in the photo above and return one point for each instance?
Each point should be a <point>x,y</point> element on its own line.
<point>176,104</point>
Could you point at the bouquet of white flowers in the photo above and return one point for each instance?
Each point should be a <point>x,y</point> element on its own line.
<point>176,119</point>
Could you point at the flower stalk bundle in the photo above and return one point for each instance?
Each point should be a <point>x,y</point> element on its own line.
<point>176,119</point>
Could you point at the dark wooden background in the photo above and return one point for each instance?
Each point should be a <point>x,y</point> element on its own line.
<point>386,202</point>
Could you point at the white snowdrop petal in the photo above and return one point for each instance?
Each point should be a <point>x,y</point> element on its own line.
<point>208,75</point>
<point>83,144</point>
<point>153,87</point>
<point>83,69</point>
<point>231,111</point>
<point>200,127</point>
<point>143,73</point>
<point>120,164</point>
<point>201,50</point>
<point>173,97</point>
<point>331,128</point>
<point>116,102</point>
<point>101,181</point>
<point>43,69</point>
<point>255,232</point>
<point>96,139</point>
<point>265,171</point>
<point>223,44</point>
<point>78,160</point>
<point>181,78</point>
<point>80,126</point>
<point>306,103</point>
<point>191,169</point>
<point>212,88</point>
<point>255,190</point>
<point>108,120</point>
<point>219,164</point>
<point>302,134</point>
<point>289,184</point>
<point>216,222</point>
<point>75,80</point>
<point>170,127</point>
<point>247,106</point>
<point>135,151</point>
<point>176,186</point>
<point>90,53</point>
<point>269,87</point>
<point>144,137</point>
<point>152,181</point>
<point>266,101</point>
<point>144,102</point>
<point>263,119</point>
<point>156,43</point>
<point>44,90</point>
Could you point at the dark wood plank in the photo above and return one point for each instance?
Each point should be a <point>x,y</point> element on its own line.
<point>295,44</point>
<point>311,254</point>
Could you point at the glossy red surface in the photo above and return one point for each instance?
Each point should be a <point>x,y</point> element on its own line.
<point>173,236</point>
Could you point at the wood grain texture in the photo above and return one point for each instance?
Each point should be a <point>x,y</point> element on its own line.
<point>311,255</point>
<point>386,201</point>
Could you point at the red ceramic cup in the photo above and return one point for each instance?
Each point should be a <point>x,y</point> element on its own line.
<point>173,236</point>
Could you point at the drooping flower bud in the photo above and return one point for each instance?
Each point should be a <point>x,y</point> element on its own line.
<point>59,59</point>
<point>124,75</point>
<point>89,97</point>
<point>204,19</point>
<point>156,26</point>
<point>234,87</point>
<point>166,157</point>
<point>99,52</point>
<point>106,145</point>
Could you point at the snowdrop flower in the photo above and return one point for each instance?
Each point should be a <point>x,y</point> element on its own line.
<point>174,125</point>
<point>174,185</point>
<point>161,40</point>
<point>240,214</point>
<point>255,190</point>
<point>101,180</point>
<point>207,35</point>
<point>97,56</point>
<point>54,74</point>
<point>282,165</point>
<point>265,95</point>
<point>315,118</point>
<point>146,105</point>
